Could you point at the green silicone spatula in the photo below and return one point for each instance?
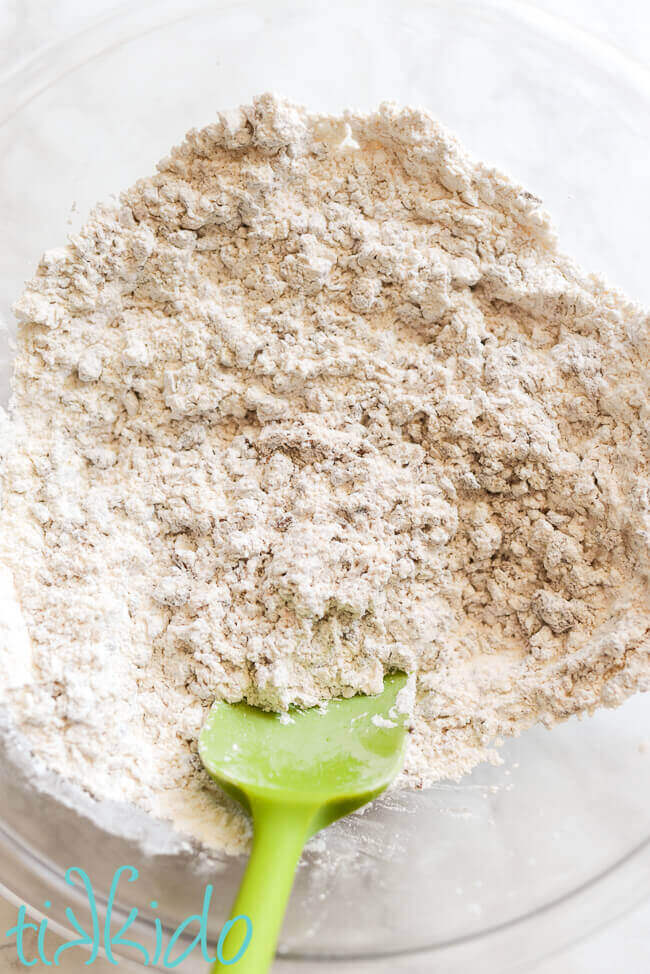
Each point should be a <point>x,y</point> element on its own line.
<point>295,778</point>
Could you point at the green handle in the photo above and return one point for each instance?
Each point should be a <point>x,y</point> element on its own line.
<point>280,833</point>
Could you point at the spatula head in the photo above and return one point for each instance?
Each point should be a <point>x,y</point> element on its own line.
<point>338,758</point>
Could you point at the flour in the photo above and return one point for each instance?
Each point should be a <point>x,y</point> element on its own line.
<point>318,400</point>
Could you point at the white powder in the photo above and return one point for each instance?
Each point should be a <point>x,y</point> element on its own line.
<point>318,400</point>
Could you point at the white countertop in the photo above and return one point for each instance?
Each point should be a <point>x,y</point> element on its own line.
<point>28,26</point>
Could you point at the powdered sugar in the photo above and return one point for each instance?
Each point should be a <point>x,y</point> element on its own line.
<point>318,400</point>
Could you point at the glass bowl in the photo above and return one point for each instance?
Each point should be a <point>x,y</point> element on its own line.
<point>515,861</point>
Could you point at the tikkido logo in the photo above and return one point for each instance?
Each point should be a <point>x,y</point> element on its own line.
<point>100,938</point>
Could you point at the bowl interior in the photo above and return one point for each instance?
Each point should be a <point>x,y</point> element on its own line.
<point>554,841</point>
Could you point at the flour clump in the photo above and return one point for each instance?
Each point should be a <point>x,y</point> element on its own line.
<point>318,400</point>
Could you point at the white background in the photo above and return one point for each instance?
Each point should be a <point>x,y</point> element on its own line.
<point>26,28</point>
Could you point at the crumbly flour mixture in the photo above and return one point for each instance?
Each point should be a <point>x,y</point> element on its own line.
<point>318,400</point>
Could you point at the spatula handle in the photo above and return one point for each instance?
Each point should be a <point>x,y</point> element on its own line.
<point>280,833</point>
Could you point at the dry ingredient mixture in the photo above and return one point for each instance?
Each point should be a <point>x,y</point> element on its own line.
<point>317,400</point>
